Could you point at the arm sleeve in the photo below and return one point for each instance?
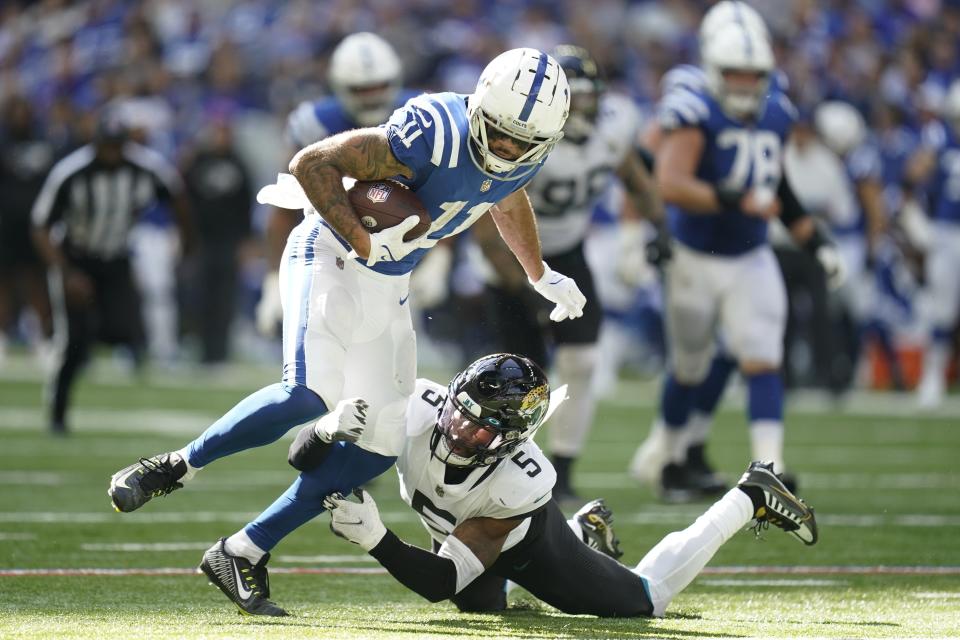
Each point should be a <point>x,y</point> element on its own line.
<point>434,577</point>
<point>49,205</point>
<point>792,209</point>
<point>304,127</point>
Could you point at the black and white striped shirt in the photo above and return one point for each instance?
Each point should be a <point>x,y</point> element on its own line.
<point>94,206</point>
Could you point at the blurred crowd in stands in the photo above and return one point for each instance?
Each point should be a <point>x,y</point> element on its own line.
<point>194,77</point>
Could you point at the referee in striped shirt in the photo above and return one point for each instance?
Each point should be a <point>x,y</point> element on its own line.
<point>82,220</point>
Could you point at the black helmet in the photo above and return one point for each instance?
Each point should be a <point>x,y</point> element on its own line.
<point>586,85</point>
<point>492,407</point>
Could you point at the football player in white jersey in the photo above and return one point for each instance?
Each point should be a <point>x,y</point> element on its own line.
<point>599,145</point>
<point>469,467</point>
<point>347,325</point>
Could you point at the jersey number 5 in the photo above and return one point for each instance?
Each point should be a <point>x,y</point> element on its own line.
<point>529,462</point>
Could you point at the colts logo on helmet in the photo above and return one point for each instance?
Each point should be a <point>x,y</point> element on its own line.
<point>379,192</point>
<point>535,404</point>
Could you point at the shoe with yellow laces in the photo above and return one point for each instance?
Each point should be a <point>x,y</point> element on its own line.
<point>775,504</point>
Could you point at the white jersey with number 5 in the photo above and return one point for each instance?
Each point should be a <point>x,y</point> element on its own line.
<point>575,176</point>
<point>511,488</point>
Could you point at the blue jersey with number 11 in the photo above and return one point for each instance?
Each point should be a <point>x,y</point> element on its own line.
<point>430,135</point>
<point>736,155</point>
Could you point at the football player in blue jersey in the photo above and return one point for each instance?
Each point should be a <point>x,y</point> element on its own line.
<point>347,328</point>
<point>719,168</point>
<point>937,167</point>
<point>365,78</point>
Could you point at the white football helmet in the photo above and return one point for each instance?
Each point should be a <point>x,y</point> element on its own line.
<point>840,126</point>
<point>728,11</point>
<point>734,47</point>
<point>523,94</point>
<point>365,76</point>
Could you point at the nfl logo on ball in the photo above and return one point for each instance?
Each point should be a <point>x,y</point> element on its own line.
<point>379,192</point>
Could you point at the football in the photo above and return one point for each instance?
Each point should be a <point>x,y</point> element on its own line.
<point>382,204</point>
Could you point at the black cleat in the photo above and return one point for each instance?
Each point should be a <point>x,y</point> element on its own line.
<point>134,486</point>
<point>676,485</point>
<point>596,523</point>
<point>245,583</point>
<point>702,474</point>
<point>779,506</point>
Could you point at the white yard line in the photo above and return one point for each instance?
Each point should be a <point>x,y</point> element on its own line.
<point>655,516</point>
<point>833,481</point>
<point>717,571</point>
<point>6,535</point>
<point>770,582</point>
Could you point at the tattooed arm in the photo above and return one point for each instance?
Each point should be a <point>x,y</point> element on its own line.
<point>363,154</point>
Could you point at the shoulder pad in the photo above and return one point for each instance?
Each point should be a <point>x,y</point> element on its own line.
<point>683,108</point>
<point>423,405</point>
<point>524,480</point>
<point>683,76</point>
<point>429,131</point>
<point>303,126</point>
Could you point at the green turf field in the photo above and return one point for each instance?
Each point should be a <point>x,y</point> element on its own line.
<point>885,483</point>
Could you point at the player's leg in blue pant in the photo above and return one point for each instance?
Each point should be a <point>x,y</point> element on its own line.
<point>344,469</point>
<point>260,418</point>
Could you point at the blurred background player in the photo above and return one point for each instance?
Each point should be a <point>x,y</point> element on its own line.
<point>26,156</point>
<point>219,186</point>
<point>82,220</point>
<point>719,166</point>
<point>937,165</point>
<point>599,145</point>
<point>365,76</point>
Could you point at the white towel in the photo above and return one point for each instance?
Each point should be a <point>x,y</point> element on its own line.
<point>287,193</point>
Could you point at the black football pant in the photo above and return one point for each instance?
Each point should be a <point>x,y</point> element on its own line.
<point>553,564</point>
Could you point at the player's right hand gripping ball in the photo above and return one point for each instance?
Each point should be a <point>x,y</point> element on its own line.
<point>393,215</point>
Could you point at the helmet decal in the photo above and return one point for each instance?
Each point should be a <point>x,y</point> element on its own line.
<point>534,87</point>
<point>535,403</point>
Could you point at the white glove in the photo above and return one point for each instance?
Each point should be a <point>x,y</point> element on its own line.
<point>358,522</point>
<point>561,290</point>
<point>428,282</point>
<point>269,312</point>
<point>633,269</point>
<point>836,272</point>
<point>388,244</point>
<point>286,193</point>
<point>345,423</point>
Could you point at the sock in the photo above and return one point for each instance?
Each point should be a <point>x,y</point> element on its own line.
<point>651,455</point>
<point>677,559</point>
<point>259,419</point>
<point>675,408</point>
<point>698,428</point>
<point>570,425</point>
<point>191,470</point>
<point>575,527</point>
<point>240,544</point>
<point>710,391</point>
<point>935,359</point>
<point>346,468</point>
<point>765,409</point>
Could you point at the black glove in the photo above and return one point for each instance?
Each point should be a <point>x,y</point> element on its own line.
<point>308,451</point>
<point>659,250</point>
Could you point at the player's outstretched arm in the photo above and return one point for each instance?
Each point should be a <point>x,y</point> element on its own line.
<point>363,154</point>
<point>641,189</point>
<point>517,225</point>
<point>470,550</point>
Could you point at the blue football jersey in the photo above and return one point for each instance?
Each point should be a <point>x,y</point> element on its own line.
<point>314,120</point>
<point>736,155</point>
<point>430,135</point>
<point>944,190</point>
<point>862,163</point>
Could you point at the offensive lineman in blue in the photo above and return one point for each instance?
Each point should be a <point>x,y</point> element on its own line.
<point>719,168</point>
<point>347,331</point>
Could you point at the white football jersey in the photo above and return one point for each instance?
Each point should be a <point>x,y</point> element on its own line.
<point>514,486</point>
<point>575,176</point>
